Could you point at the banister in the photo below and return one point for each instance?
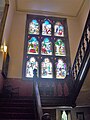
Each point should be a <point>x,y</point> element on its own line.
<point>81,63</point>
<point>83,49</point>
<point>3,21</point>
<point>38,100</point>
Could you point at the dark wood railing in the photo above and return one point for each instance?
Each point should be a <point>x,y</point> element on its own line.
<point>3,21</point>
<point>37,100</point>
<point>82,60</point>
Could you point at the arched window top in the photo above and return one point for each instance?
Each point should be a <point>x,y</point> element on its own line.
<point>46,28</point>
<point>58,29</point>
<point>46,48</point>
<point>60,69</point>
<point>33,46</point>
<point>31,65</point>
<point>34,27</point>
<point>60,48</point>
<point>46,69</point>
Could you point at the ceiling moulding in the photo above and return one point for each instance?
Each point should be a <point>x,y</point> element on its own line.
<point>47,13</point>
<point>80,8</point>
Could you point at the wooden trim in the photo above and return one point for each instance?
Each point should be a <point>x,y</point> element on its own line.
<point>3,21</point>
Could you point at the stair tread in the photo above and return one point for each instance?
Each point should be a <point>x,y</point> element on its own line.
<point>17,108</point>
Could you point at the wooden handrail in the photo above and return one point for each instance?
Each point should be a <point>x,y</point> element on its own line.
<point>3,21</point>
<point>38,100</point>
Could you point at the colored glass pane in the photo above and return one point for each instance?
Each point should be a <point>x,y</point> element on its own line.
<point>64,116</point>
<point>46,48</point>
<point>59,48</point>
<point>46,69</point>
<point>60,69</point>
<point>33,46</point>
<point>59,29</point>
<point>46,28</point>
<point>31,66</point>
<point>34,27</point>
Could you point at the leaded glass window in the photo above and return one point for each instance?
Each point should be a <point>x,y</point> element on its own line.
<point>46,28</point>
<point>59,48</point>
<point>34,27</point>
<point>46,48</point>
<point>31,65</point>
<point>59,29</point>
<point>60,69</point>
<point>33,46</point>
<point>46,69</point>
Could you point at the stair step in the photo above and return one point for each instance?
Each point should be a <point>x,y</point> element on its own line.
<point>17,104</point>
<point>7,115</point>
<point>15,100</point>
<point>17,109</point>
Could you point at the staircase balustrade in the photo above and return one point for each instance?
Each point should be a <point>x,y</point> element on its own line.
<point>37,98</point>
<point>81,63</point>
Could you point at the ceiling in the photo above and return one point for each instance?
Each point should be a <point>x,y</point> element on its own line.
<point>53,7</point>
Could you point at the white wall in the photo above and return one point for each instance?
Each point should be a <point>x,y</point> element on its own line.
<point>16,45</point>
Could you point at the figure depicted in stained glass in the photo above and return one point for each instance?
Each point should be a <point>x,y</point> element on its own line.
<point>31,66</point>
<point>34,27</point>
<point>60,69</point>
<point>59,48</point>
<point>46,48</point>
<point>33,46</point>
<point>59,29</point>
<point>46,28</point>
<point>64,116</point>
<point>46,69</point>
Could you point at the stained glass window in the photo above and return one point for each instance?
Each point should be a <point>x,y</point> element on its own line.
<point>59,29</point>
<point>46,28</point>
<point>32,46</point>
<point>31,65</point>
<point>46,69</point>
<point>60,69</point>
<point>46,48</point>
<point>34,27</point>
<point>59,48</point>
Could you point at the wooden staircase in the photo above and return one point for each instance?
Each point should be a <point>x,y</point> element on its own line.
<point>17,108</point>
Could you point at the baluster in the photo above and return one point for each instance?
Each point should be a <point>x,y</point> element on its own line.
<point>78,62</point>
<point>75,70</point>
<point>88,33</point>
<point>83,45</point>
<point>85,42</point>
<point>81,57</point>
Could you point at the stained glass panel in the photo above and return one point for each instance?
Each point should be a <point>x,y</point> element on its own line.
<point>60,69</point>
<point>59,48</point>
<point>33,46</point>
<point>59,29</point>
<point>46,69</point>
<point>46,48</point>
<point>46,28</point>
<point>31,65</point>
<point>34,27</point>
